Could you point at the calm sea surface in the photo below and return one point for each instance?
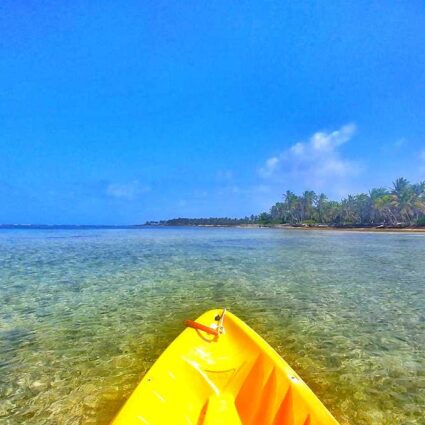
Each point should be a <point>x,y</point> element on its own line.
<point>83,314</point>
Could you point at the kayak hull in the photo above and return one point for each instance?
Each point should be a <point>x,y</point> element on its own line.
<point>231,378</point>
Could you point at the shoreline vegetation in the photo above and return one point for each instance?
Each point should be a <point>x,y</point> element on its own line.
<point>410,229</point>
<point>400,208</point>
<point>377,229</point>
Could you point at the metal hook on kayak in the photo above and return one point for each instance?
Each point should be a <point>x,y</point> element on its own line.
<point>220,326</point>
<point>212,331</point>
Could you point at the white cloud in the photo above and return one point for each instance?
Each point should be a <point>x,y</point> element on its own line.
<point>126,191</point>
<point>314,162</point>
<point>270,166</point>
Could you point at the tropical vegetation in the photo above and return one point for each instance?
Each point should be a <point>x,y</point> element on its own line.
<point>401,205</point>
<point>211,221</point>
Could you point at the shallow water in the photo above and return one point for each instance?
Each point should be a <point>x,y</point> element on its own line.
<point>83,314</point>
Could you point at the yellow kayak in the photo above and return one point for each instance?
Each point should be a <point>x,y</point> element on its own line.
<point>218,371</point>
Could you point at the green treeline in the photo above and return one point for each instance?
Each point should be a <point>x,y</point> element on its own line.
<point>402,205</point>
<point>212,221</point>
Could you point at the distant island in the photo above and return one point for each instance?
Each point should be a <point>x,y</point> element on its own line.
<point>402,206</point>
<point>211,221</point>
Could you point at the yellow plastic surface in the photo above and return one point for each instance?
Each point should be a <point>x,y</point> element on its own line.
<point>233,379</point>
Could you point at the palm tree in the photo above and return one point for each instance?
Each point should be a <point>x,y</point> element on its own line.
<point>405,203</point>
<point>404,199</point>
<point>419,202</point>
<point>363,206</point>
<point>307,200</point>
<point>375,194</point>
<point>320,207</point>
<point>291,204</point>
<point>349,210</point>
<point>385,206</point>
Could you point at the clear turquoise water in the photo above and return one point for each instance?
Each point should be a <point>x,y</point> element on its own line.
<point>83,314</point>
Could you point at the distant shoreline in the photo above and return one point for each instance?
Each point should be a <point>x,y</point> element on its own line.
<point>354,229</point>
<point>382,229</point>
<point>306,228</point>
<point>69,226</point>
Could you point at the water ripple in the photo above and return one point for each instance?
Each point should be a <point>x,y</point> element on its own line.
<point>83,314</point>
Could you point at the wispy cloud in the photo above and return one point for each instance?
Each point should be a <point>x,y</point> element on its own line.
<point>316,161</point>
<point>394,147</point>
<point>400,143</point>
<point>126,191</point>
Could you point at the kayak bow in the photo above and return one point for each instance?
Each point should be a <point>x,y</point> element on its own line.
<point>219,371</point>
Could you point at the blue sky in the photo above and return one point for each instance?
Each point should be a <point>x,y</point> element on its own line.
<point>121,112</point>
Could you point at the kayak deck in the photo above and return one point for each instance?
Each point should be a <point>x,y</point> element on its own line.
<point>232,378</point>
